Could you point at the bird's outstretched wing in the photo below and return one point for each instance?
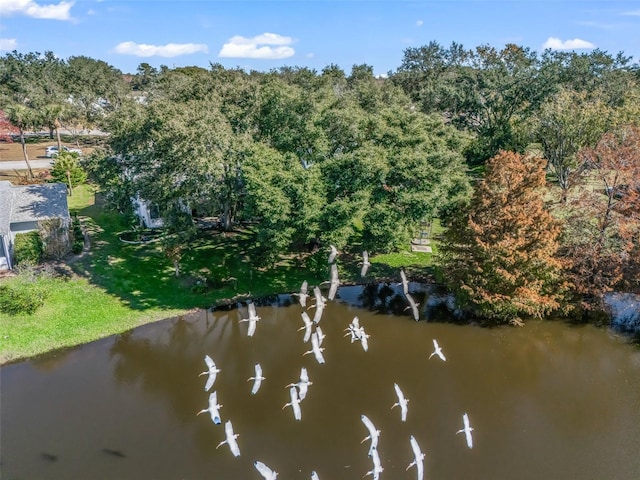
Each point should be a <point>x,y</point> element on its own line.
<point>209,361</point>
<point>333,254</point>
<point>265,471</point>
<point>252,309</point>
<point>365,263</point>
<point>335,282</point>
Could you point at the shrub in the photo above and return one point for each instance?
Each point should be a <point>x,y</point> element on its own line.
<point>28,248</point>
<point>77,246</point>
<point>22,296</point>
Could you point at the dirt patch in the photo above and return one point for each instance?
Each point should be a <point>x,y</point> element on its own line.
<point>35,149</point>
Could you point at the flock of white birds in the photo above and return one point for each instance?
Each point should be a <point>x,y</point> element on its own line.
<point>298,390</point>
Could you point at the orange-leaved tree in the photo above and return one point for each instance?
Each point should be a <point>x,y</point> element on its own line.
<point>602,240</point>
<point>498,254</point>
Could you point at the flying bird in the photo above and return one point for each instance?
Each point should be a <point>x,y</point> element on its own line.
<point>374,433</point>
<point>418,458</point>
<point>437,351</point>
<point>257,379</point>
<point>365,263</point>
<point>413,306</point>
<point>231,439</point>
<point>402,402</point>
<point>467,430</point>
<point>294,403</point>
<point>303,384</point>
<point>253,319</point>
<point>212,371</point>
<point>353,329</point>
<point>316,349</point>
<point>265,471</point>
<point>377,466</point>
<point>307,326</point>
<point>333,254</point>
<point>335,282</point>
<point>303,295</point>
<point>321,302</point>
<point>213,409</point>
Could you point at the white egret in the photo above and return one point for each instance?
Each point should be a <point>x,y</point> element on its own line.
<point>212,371</point>
<point>377,465</point>
<point>294,403</point>
<point>437,351</point>
<point>374,433</point>
<point>467,430</point>
<point>321,302</point>
<point>303,384</point>
<point>303,295</point>
<point>231,439</point>
<point>402,402</point>
<point>307,326</point>
<point>316,349</point>
<point>333,254</point>
<point>257,379</point>
<point>314,476</point>
<point>213,409</point>
<point>335,282</point>
<point>365,263</point>
<point>418,458</point>
<point>253,319</point>
<point>413,306</point>
<point>353,329</point>
<point>265,471</point>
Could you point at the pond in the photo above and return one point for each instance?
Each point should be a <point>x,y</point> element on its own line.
<point>546,401</point>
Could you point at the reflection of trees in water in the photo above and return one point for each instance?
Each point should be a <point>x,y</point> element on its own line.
<point>167,366</point>
<point>384,298</point>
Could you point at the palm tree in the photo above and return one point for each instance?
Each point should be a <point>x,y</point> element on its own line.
<point>23,118</point>
<point>51,114</point>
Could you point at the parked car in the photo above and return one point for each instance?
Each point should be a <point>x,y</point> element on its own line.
<point>52,151</point>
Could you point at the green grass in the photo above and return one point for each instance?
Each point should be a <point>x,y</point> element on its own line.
<point>118,286</point>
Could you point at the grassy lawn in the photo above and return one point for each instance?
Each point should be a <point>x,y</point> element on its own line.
<point>117,286</point>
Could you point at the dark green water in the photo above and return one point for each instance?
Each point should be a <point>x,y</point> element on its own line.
<point>547,401</point>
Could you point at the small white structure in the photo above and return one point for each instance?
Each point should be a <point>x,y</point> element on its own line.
<point>147,212</point>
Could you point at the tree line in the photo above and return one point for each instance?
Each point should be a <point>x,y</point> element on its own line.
<point>358,161</point>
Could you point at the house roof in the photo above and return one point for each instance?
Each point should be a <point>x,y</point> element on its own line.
<point>28,203</point>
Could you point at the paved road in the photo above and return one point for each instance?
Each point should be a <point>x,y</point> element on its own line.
<point>22,165</point>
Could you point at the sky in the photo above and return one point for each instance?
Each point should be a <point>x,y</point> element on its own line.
<point>268,34</point>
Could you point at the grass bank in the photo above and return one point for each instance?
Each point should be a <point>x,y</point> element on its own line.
<point>116,286</point>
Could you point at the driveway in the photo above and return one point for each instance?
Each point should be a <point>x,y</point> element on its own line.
<point>22,165</point>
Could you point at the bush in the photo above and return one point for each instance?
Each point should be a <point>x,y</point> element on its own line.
<point>22,297</point>
<point>77,246</point>
<point>28,248</point>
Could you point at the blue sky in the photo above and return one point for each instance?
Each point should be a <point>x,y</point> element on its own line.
<point>266,34</point>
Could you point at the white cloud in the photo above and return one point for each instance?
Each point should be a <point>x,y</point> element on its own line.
<point>310,55</point>
<point>258,47</point>
<point>8,44</point>
<point>419,23</point>
<point>54,11</point>
<point>575,44</point>
<point>168,50</point>
<point>632,13</point>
